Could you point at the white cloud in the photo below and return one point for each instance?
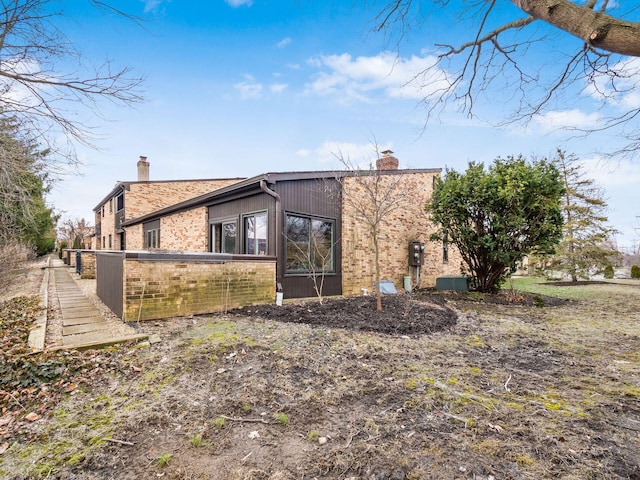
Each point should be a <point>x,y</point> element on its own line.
<point>17,94</point>
<point>362,78</point>
<point>278,87</point>
<point>558,120</point>
<point>249,89</point>
<point>303,152</point>
<point>239,3</point>
<point>624,90</point>
<point>284,42</point>
<point>151,5</point>
<point>611,173</point>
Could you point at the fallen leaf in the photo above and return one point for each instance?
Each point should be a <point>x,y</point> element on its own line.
<point>70,387</point>
<point>32,417</point>
<point>6,420</point>
<point>3,448</point>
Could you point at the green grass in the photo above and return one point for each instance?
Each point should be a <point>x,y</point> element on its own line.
<point>538,285</point>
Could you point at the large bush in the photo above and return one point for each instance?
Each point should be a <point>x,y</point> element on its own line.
<point>635,271</point>
<point>497,216</point>
<point>608,271</point>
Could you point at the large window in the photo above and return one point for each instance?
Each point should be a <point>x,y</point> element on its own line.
<point>255,234</point>
<point>310,243</point>
<point>119,202</point>
<point>224,236</point>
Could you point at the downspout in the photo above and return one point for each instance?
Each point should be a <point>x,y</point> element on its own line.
<point>276,196</point>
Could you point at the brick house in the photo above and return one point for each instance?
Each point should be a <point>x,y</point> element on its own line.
<point>130,200</point>
<point>311,224</point>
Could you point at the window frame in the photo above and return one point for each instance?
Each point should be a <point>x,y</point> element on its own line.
<point>310,219</point>
<point>120,202</point>
<point>213,237</point>
<point>246,237</point>
<point>152,239</point>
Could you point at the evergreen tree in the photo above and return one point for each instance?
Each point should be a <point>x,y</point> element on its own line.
<point>24,216</point>
<point>497,217</point>
<point>586,247</point>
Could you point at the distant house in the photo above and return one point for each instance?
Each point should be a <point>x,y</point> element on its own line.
<point>302,219</point>
<point>130,200</point>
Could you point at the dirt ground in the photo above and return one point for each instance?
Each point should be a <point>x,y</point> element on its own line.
<point>434,386</point>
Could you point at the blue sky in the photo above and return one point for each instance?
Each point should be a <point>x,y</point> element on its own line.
<point>236,88</point>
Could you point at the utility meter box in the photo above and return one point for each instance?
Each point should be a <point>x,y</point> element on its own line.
<point>416,254</point>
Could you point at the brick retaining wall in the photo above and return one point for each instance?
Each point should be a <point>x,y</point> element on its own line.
<point>163,285</point>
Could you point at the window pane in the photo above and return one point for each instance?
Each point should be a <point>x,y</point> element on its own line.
<point>322,245</point>
<point>229,238</point>
<point>255,229</point>
<point>297,238</point>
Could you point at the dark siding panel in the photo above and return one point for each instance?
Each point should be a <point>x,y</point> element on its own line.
<point>302,287</point>
<point>237,208</point>
<point>320,198</point>
<point>109,280</point>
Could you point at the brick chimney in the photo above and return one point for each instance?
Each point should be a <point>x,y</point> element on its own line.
<point>143,169</point>
<point>387,162</point>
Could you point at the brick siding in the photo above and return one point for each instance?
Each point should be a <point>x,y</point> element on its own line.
<point>408,222</point>
<point>135,237</point>
<point>147,197</point>
<point>169,288</point>
<point>185,231</point>
<point>87,265</point>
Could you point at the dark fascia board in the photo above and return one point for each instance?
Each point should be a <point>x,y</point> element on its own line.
<point>122,186</point>
<point>252,184</point>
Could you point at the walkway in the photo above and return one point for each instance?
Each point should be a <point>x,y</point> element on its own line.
<point>83,326</point>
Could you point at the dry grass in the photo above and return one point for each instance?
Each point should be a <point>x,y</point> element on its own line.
<point>510,392</point>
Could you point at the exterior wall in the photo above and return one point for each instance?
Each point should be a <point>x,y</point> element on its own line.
<point>407,223</point>
<point>72,258</point>
<point>147,197</point>
<point>135,237</point>
<point>88,265</point>
<point>185,231</point>
<point>168,288</point>
<point>107,227</point>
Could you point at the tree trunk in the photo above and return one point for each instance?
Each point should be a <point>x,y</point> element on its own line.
<point>377,255</point>
<point>598,29</point>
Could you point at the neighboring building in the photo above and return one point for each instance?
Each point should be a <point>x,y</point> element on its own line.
<point>305,220</point>
<point>130,200</point>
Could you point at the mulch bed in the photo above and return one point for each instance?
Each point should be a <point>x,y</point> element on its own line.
<point>400,315</point>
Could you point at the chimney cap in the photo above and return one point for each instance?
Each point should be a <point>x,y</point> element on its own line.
<point>387,153</point>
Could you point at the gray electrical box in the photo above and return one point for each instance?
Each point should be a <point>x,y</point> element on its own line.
<point>416,254</point>
<point>458,283</point>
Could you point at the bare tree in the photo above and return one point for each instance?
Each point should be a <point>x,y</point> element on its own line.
<point>499,50</point>
<point>372,195</point>
<point>75,231</point>
<point>38,79</point>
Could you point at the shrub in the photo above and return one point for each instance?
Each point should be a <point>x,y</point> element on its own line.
<point>608,271</point>
<point>63,244</point>
<point>635,271</point>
